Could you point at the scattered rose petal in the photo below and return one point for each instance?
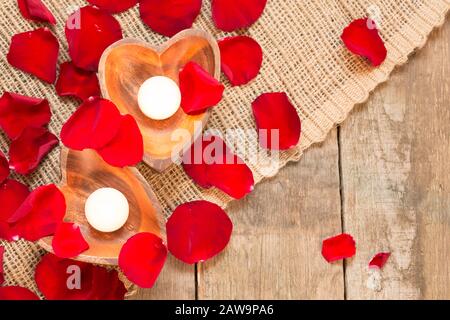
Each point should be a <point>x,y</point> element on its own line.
<point>27,151</point>
<point>142,258</point>
<point>339,247</point>
<point>12,195</point>
<point>211,163</point>
<point>2,277</point>
<point>53,275</point>
<point>68,242</point>
<point>199,90</point>
<point>76,82</point>
<point>89,31</point>
<point>198,231</point>
<point>120,152</point>
<point>35,52</point>
<point>169,17</point>
<point>40,213</point>
<point>230,15</point>
<point>379,260</point>
<point>17,293</point>
<point>18,112</point>
<point>361,37</point>
<point>35,10</point>
<point>94,124</point>
<point>241,59</point>
<point>277,120</point>
<point>4,168</point>
<point>114,6</point>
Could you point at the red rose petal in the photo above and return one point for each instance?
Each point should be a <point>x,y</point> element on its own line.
<point>92,126</point>
<point>169,17</point>
<point>112,6</point>
<point>361,37</point>
<point>68,242</point>
<point>2,252</point>
<point>17,293</point>
<point>27,151</point>
<point>379,260</point>
<point>277,120</point>
<point>197,231</point>
<point>4,168</point>
<point>53,275</point>
<point>12,195</point>
<point>40,213</point>
<point>127,147</point>
<point>89,31</point>
<point>142,258</point>
<point>36,10</point>
<point>211,163</point>
<point>241,59</point>
<point>199,90</point>
<point>18,112</point>
<point>77,82</point>
<point>338,247</point>
<point>35,52</point>
<point>230,15</point>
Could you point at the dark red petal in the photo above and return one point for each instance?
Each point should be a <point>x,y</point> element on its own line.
<point>27,151</point>
<point>241,59</point>
<point>230,15</point>
<point>379,260</point>
<point>35,52</point>
<point>169,17</point>
<point>17,293</point>
<point>127,147</point>
<point>142,258</point>
<point>77,82</point>
<point>89,31</point>
<point>277,120</point>
<point>4,168</point>
<point>36,10</point>
<point>2,277</point>
<point>338,247</point>
<point>68,242</point>
<point>211,163</point>
<point>114,6</point>
<point>197,231</point>
<point>92,126</point>
<point>53,275</point>
<point>18,112</point>
<point>361,37</point>
<point>12,195</point>
<point>40,213</point>
<point>199,90</point>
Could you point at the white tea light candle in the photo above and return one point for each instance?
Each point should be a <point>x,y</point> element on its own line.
<point>159,98</point>
<point>107,210</point>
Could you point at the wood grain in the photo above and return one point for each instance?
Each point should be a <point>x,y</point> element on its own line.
<point>396,181</point>
<point>275,248</point>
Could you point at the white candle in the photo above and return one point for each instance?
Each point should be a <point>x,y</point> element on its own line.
<point>107,210</point>
<point>159,98</point>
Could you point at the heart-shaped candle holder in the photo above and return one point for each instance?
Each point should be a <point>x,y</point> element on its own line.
<point>83,172</point>
<point>128,63</point>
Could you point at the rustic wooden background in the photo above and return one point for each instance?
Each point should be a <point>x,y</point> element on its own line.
<point>383,176</point>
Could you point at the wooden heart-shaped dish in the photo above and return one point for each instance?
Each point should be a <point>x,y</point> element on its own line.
<point>128,63</point>
<point>83,172</point>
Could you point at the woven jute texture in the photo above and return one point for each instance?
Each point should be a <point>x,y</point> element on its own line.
<point>303,56</point>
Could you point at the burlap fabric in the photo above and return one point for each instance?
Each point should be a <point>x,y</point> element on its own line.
<point>303,56</point>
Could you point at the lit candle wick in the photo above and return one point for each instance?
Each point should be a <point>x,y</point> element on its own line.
<point>159,98</point>
<point>107,210</point>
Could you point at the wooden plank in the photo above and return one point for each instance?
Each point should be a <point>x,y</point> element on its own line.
<point>176,282</point>
<point>275,249</point>
<point>395,155</point>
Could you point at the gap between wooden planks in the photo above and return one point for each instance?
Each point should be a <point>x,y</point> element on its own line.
<point>384,178</point>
